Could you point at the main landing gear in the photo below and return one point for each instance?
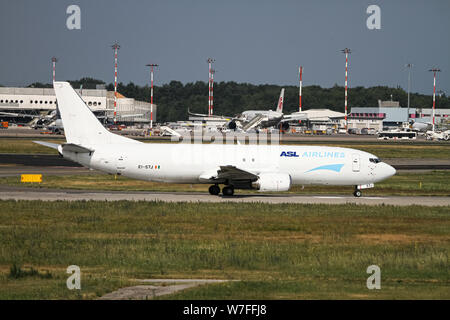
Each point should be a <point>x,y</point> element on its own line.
<point>214,190</point>
<point>226,191</point>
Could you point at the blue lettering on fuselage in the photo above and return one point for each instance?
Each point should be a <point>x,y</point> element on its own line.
<point>289,154</point>
<point>313,154</point>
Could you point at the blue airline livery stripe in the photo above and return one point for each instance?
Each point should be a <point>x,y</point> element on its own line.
<point>332,167</point>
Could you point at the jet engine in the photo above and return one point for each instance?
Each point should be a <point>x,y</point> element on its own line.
<point>272,182</point>
<point>232,125</point>
<point>284,126</point>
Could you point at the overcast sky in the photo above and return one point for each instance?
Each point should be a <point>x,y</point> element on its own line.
<point>251,40</point>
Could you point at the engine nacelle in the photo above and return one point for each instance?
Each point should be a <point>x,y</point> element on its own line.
<point>284,126</point>
<point>273,182</point>
<point>232,125</point>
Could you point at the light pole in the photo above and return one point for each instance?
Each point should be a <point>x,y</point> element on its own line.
<point>151,65</point>
<point>434,70</point>
<point>347,51</point>
<point>116,47</point>
<point>210,61</point>
<point>300,71</point>
<point>409,66</point>
<point>54,60</point>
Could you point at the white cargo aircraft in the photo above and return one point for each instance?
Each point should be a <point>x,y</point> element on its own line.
<point>237,166</point>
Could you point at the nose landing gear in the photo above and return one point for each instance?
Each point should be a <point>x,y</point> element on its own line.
<point>357,193</point>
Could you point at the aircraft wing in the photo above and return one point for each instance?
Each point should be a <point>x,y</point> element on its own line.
<point>233,173</point>
<point>205,115</point>
<point>294,117</point>
<point>196,114</point>
<point>223,174</point>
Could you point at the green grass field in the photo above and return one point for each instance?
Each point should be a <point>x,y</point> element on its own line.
<point>403,183</point>
<point>276,251</point>
<point>381,149</point>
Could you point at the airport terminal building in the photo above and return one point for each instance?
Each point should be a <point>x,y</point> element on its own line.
<point>19,105</point>
<point>392,115</point>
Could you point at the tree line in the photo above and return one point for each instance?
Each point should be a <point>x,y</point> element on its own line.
<point>230,98</point>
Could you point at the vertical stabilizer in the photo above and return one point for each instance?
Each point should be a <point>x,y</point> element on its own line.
<point>81,126</point>
<point>280,102</point>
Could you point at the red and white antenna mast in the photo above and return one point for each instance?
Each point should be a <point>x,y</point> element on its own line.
<point>54,60</point>
<point>116,48</point>
<point>210,96</point>
<point>212,91</point>
<point>346,51</point>
<point>151,65</point>
<point>300,71</point>
<point>434,70</point>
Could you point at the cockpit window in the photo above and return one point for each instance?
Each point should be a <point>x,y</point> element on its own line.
<point>374,160</point>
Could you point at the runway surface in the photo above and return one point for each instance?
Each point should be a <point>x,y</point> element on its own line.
<point>11,193</point>
<point>14,170</point>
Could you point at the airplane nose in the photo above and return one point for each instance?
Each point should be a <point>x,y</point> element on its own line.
<point>384,171</point>
<point>390,171</point>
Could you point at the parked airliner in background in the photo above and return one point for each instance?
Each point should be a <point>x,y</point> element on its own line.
<point>237,166</point>
<point>251,119</point>
<point>257,119</point>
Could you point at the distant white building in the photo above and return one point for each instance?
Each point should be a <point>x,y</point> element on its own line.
<point>396,116</point>
<point>17,103</point>
<point>360,121</point>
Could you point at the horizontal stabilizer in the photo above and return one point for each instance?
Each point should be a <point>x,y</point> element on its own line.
<point>47,144</point>
<point>71,147</point>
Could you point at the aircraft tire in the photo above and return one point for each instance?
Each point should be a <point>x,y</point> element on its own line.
<point>228,191</point>
<point>214,190</point>
<point>357,193</point>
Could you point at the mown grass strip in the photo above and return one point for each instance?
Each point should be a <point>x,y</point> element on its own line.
<point>278,248</point>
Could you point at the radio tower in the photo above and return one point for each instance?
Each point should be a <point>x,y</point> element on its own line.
<point>346,51</point>
<point>210,61</point>
<point>300,71</point>
<point>54,61</point>
<point>151,65</point>
<point>116,48</point>
<point>434,70</point>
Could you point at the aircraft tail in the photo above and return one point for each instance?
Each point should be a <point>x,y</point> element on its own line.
<point>81,127</point>
<point>280,101</point>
